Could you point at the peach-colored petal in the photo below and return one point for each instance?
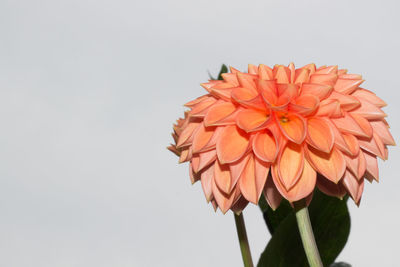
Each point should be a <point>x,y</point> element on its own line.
<point>247,181</point>
<point>362,165</point>
<point>327,70</point>
<point>218,112</point>
<point>369,96</point>
<point>382,130</point>
<point>272,195</point>
<point>363,123</point>
<point>194,102</point>
<point>230,78</point>
<point>372,165</point>
<point>206,158</point>
<point>347,86</point>
<point>292,126</point>
<point>320,134</point>
<point>304,105</point>
<point>202,137</point>
<point>331,165</point>
<point>373,145</point>
<point>327,79</point>
<point>265,146</point>
<point>352,143</point>
<point>290,164</point>
<point>301,76</point>
<point>330,188</point>
<point>302,188</point>
<point>369,111</point>
<point>329,108</point>
<point>261,172</point>
<point>347,102</point>
<point>223,200</point>
<point>353,186</point>
<point>222,176</point>
<point>252,69</point>
<point>207,177</point>
<point>202,105</point>
<point>232,144</point>
<point>237,168</point>
<point>319,90</point>
<point>265,72</point>
<point>186,137</point>
<point>347,124</point>
<point>250,120</point>
<point>281,74</point>
<point>247,81</point>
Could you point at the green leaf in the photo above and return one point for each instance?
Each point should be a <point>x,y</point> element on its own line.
<point>274,217</point>
<point>224,69</point>
<point>331,225</point>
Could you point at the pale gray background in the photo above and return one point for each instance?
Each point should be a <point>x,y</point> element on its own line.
<point>88,94</point>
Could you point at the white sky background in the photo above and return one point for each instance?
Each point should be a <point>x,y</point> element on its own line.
<point>88,94</point>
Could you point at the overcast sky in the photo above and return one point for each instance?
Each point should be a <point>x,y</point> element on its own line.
<point>88,94</point>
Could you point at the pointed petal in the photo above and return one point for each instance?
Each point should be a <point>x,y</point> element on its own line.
<point>301,76</point>
<point>223,200</point>
<point>250,120</point>
<point>247,181</point>
<point>320,134</point>
<point>319,90</point>
<point>372,165</point>
<point>347,86</point>
<point>331,165</point>
<point>347,102</point>
<point>281,74</point>
<point>265,72</point>
<point>261,172</point>
<point>206,158</point>
<point>303,188</point>
<point>364,124</point>
<point>202,105</point>
<point>330,188</point>
<point>222,177</point>
<point>329,108</point>
<point>231,79</point>
<point>352,185</point>
<point>292,126</point>
<point>327,70</point>
<point>382,131</point>
<point>374,146</point>
<point>232,144</point>
<point>304,104</point>
<point>272,195</point>
<point>218,112</point>
<point>202,137</point>
<point>369,111</point>
<point>252,69</point>
<point>247,81</point>
<point>265,146</point>
<point>290,164</point>
<point>237,168</point>
<point>327,79</point>
<point>369,96</point>
<point>186,137</point>
<point>207,177</point>
<point>348,125</point>
<point>352,143</point>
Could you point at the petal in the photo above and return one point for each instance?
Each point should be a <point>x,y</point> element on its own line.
<point>252,69</point>
<point>369,111</point>
<point>202,137</point>
<point>237,168</point>
<point>196,101</point>
<point>290,164</point>
<point>372,165</point>
<point>265,72</point>
<point>186,137</point>
<point>382,131</point>
<point>265,146</point>
<point>304,104</point>
<point>330,108</point>
<point>369,96</point>
<point>281,74</point>
<point>247,81</point>
<point>330,188</point>
<point>327,79</point>
<point>223,200</point>
<point>347,102</point>
<point>352,185</point>
<point>374,146</point>
<point>250,120</point>
<point>292,126</point>
<point>272,195</point>
<point>303,188</point>
<point>218,112</point>
<point>222,176</point>
<point>261,172</point>
<point>319,90</point>
<point>352,143</point>
<point>320,134</point>
<point>301,76</point>
<point>230,78</point>
<point>364,124</point>
<point>232,144</point>
<point>268,91</point>
<point>347,86</point>
<point>327,70</point>
<point>348,125</point>
<point>202,105</point>
<point>247,181</point>
<point>206,158</point>
<point>331,165</point>
<point>207,177</point>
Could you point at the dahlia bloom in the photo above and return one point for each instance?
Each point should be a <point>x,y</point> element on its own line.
<point>282,131</point>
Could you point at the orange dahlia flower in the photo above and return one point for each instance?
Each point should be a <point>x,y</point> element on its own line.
<point>282,131</point>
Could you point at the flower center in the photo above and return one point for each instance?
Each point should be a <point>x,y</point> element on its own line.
<point>284,119</point>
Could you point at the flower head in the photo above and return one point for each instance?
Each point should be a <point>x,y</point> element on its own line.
<point>282,131</point>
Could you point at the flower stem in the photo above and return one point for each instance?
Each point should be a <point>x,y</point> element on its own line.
<point>243,241</point>
<point>306,233</point>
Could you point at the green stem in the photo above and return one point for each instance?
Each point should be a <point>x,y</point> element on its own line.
<point>244,243</point>
<point>306,233</point>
